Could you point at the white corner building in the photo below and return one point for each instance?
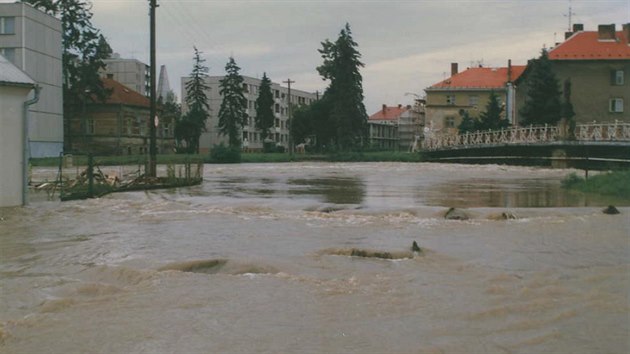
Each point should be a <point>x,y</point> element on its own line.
<point>32,41</point>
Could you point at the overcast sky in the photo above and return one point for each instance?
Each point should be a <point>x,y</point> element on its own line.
<point>406,45</point>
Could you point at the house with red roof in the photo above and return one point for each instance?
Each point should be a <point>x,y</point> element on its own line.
<point>395,127</point>
<point>470,91</point>
<point>117,126</point>
<point>597,66</point>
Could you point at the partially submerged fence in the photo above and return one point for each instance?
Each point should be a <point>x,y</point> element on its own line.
<point>81,177</point>
<point>610,132</point>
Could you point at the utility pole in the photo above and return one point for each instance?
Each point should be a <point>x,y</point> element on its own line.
<point>289,82</point>
<point>153,114</point>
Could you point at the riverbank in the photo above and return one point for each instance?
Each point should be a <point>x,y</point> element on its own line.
<point>375,156</point>
<point>616,183</point>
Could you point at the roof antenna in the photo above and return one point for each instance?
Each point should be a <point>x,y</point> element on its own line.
<point>570,15</point>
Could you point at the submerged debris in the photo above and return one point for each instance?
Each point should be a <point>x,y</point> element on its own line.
<point>456,214</point>
<point>415,247</point>
<point>611,210</point>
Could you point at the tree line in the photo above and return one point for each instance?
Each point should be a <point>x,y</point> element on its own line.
<point>338,121</point>
<point>335,122</point>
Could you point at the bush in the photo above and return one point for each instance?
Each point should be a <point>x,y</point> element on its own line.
<point>616,183</point>
<point>225,154</point>
<point>571,180</point>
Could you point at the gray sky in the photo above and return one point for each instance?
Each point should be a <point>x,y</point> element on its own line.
<point>406,45</point>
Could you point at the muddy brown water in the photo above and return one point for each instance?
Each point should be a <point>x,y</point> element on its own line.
<point>316,258</point>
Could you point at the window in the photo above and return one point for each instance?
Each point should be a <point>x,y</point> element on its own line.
<point>8,53</point>
<point>277,94</point>
<point>245,88</point>
<point>450,100</point>
<point>473,100</point>
<point>277,108</point>
<point>244,135</point>
<point>7,25</point>
<point>90,127</point>
<point>449,122</point>
<point>616,105</point>
<point>617,77</point>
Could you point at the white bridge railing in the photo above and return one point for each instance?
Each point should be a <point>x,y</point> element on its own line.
<point>616,131</point>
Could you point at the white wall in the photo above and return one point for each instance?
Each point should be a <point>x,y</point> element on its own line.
<point>11,144</point>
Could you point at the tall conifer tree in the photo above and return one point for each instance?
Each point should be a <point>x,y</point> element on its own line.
<point>345,93</point>
<point>491,119</point>
<point>264,108</point>
<point>542,101</point>
<point>232,114</point>
<point>193,123</point>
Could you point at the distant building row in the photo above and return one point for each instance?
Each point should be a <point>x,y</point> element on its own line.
<point>251,137</point>
<point>597,63</point>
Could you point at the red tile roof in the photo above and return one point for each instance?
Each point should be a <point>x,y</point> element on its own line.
<point>388,113</point>
<point>121,94</point>
<point>480,78</point>
<point>585,45</point>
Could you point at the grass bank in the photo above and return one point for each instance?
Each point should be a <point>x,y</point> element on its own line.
<point>379,156</point>
<point>616,183</point>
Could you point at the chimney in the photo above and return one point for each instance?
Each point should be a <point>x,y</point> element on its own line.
<point>577,27</point>
<point>626,32</point>
<point>399,106</point>
<point>566,36</point>
<point>384,108</point>
<point>606,32</point>
<point>509,71</point>
<point>454,69</point>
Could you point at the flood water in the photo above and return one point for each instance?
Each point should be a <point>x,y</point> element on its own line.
<point>279,258</point>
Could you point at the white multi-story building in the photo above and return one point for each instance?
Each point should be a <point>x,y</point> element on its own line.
<point>31,40</point>
<point>130,72</point>
<point>251,137</point>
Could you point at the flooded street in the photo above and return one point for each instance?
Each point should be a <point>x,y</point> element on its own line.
<point>259,259</point>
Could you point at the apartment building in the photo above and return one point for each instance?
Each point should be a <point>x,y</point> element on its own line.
<point>132,73</point>
<point>597,64</point>
<point>32,41</point>
<point>470,91</point>
<point>251,137</point>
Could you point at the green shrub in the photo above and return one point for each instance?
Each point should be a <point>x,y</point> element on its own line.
<point>615,183</point>
<point>225,154</point>
<point>572,180</point>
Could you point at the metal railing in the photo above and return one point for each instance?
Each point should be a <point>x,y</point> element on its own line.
<point>617,131</point>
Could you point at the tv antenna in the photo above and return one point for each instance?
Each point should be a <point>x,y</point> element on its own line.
<point>569,15</point>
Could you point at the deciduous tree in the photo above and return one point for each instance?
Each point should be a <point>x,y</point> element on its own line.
<point>84,49</point>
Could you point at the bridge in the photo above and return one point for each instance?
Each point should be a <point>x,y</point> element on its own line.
<point>593,145</point>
